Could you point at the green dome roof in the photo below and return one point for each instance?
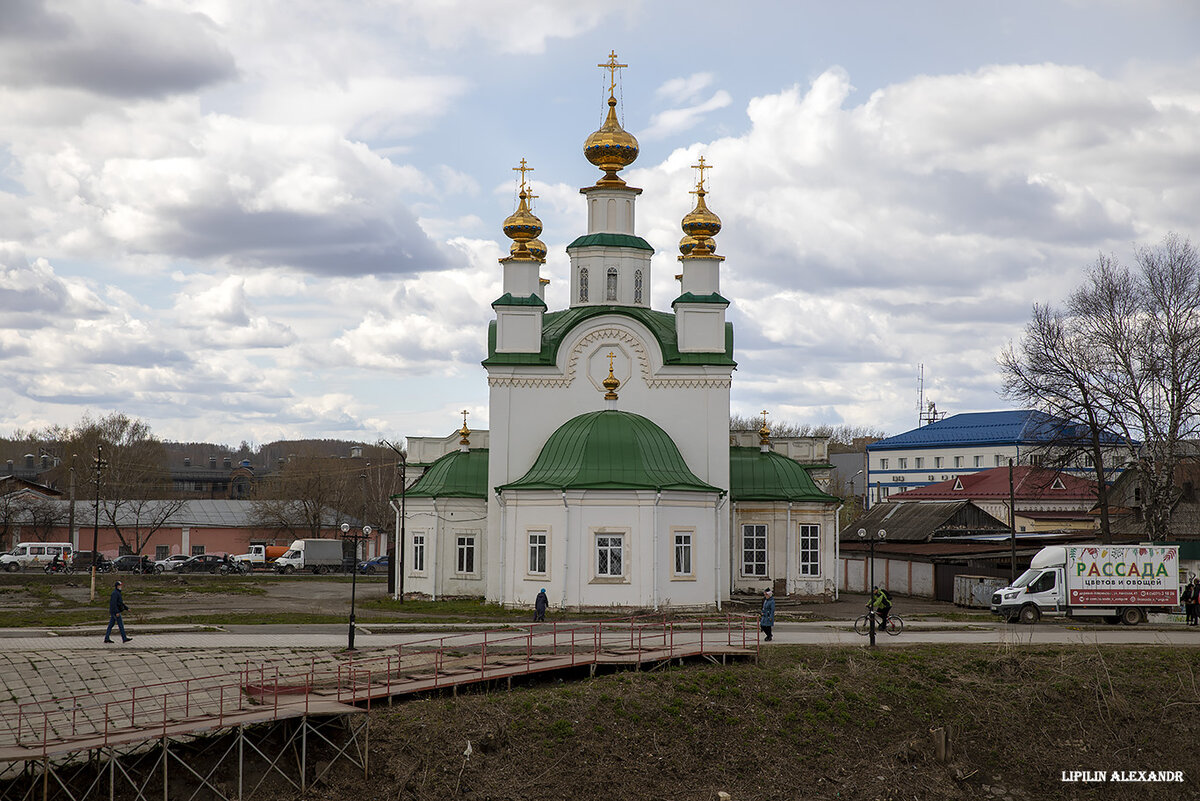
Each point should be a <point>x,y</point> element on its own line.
<point>758,476</point>
<point>610,449</point>
<point>455,475</point>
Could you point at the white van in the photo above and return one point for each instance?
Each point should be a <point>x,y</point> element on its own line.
<point>36,554</point>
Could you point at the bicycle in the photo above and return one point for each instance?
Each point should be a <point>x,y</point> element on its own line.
<point>894,624</point>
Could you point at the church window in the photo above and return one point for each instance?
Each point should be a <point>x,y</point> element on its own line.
<point>583,287</point>
<point>637,287</point>
<point>418,553</point>
<point>810,550</point>
<point>537,552</point>
<point>610,551</point>
<point>611,286</point>
<point>466,555</point>
<point>754,550</point>
<point>683,553</point>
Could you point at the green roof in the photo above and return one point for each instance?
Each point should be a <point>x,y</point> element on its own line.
<point>509,299</point>
<point>758,476</point>
<point>611,241</point>
<point>556,326</point>
<point>688,297</point>
<point>455,475</point>
<point>610,449</point>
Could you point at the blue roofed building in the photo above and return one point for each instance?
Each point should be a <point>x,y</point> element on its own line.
<point>972,442</point>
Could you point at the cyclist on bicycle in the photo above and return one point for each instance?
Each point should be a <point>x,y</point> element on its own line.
<point>881,602</point>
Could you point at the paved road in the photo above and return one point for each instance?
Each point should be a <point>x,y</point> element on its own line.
<point>332,637</point>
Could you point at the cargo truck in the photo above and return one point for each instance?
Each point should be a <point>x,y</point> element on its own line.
<point>319,556</point>
<point>262,556</point>
<point>1118,583</point>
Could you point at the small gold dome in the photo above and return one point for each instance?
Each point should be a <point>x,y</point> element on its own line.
<point>700,222</point>
<point>612,147</point>
<point>687,244</point>
<point>535,247</point>
<point>522,226</point>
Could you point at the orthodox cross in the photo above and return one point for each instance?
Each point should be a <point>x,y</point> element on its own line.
<point>612,66</point>
<point>523,169</point>
<point>701,167</point>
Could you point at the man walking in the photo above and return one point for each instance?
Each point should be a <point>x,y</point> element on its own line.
<point>767,621</point>
<point>116,605</point>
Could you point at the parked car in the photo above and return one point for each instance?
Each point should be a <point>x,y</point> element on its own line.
<point>376,564</point>
<point>82,562</point>
<point>209,563</point>
<point>129,563</point>
<point>170,563</point>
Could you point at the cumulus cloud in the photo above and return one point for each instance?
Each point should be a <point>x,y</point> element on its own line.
<point>921,224</point>
<point>108,47</point>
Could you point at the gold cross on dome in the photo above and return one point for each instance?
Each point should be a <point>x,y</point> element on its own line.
<point>701,167</point>
<point>764,414</point>
<point>612,66</point>
<point>611,356</point>
<point>464,413</point>
<point>523,169</point>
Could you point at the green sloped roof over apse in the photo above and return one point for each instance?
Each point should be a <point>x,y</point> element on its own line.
<point>455,475</point>
<point>610,449</point>
<point>758,476</point>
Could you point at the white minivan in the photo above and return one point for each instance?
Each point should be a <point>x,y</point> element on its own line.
<point>36,554</point>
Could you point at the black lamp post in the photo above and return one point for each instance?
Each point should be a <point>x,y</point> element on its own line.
<point>879,535</point>
<point>366,533</point>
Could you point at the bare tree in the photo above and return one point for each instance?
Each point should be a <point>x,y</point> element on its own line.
<point>842,438</point>
<point>1124,354</point>
<point>135,484</point>
<point>301,497</point>
<point>1053,370</point>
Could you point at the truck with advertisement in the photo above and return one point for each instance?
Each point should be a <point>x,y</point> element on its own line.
<point>1117,583</point>
<point>319,556</point>
<point>262,557</point>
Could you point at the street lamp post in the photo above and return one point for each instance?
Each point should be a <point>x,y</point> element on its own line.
<point>879,535</point>
<point>366,534</point>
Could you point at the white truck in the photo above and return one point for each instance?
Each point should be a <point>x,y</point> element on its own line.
<point>1119,583</point>
<point>261,556</point>
<point>319,556</point>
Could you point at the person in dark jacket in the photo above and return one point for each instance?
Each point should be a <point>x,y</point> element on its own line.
<point>539,607</point>
<point>1191,602</point>
<point>116,605</point>
<point>767,619</point>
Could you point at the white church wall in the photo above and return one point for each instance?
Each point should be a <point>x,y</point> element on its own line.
<point>783,553</point>
<point>591,521</point>
<point>432,530</point>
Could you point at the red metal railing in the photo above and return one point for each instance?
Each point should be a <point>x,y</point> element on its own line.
<point>421,665</point>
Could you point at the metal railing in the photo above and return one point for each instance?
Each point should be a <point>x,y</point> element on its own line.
<point>263,693</point>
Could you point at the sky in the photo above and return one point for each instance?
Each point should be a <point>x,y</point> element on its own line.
<point>250,220</point>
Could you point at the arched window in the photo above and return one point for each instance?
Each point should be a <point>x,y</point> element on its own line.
<point>612,284</point>
<point>583,289</point>
<point>637,287</point>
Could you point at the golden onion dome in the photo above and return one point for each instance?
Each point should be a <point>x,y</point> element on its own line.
<point>522,225</point>
<point>535,246</point>
<point>612,147</point>
<point>687,244</point>
<point>700,222</point>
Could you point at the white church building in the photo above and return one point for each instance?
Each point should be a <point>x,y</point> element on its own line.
<point>609,476</point>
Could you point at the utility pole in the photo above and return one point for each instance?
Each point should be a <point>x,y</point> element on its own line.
<point>71,508</point>
<point>98,465</point>
<point>1012,524</point>
<point>397,560</point>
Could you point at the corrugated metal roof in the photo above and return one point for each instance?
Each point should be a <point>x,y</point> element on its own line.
<point>1029,484</point>
<point>610,449</point>
<point>919,521</point>
<point>1022,427</point>
<point>758,476</point>
<point>455,475</point>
